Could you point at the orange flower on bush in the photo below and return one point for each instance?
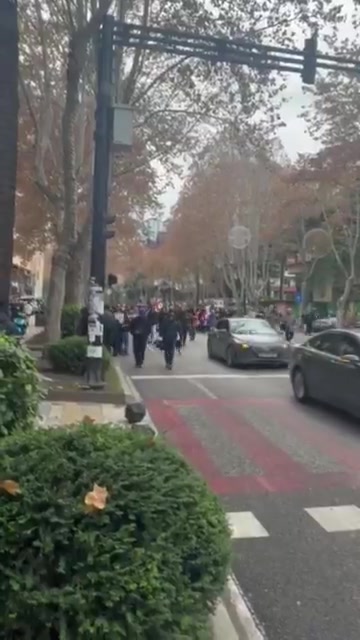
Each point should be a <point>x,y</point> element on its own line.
<point>11,487</point>
<point>95,500</point>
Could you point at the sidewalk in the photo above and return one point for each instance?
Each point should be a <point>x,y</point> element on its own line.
<point>31,332</point>
<point>56,414</point>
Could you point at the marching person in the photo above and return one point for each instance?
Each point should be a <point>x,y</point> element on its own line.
<point>139,329</point>
<point>170,330</point>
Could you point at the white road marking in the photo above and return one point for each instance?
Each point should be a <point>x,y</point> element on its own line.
<point>203,389</point>
<point>341,518</point>
<point>244,524</point>
<point>251,627</point>
<point>210,376</point>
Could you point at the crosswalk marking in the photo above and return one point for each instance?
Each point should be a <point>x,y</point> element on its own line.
<point>339,518</point>
<point>209,376</point>
<point>342,518</point>
<point>244,524</point>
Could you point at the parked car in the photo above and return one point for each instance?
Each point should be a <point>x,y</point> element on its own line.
<point>327,368</point>
<point>246,341</point>
<point>323,324</point>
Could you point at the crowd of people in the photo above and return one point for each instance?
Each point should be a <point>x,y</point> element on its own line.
<point>169,327</point>
<point>166,327</point>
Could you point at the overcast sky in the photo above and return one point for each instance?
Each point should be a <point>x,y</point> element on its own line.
<point>293,136</point>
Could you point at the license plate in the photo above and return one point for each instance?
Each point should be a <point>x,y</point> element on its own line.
<point>269,355</point>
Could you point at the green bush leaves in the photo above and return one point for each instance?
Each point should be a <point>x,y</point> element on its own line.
<point>70,318</point>
<point>149,566</point>
<point>20,388</point>
<point>69,355</point>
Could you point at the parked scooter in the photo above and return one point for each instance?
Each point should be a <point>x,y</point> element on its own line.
<point>19,319</point>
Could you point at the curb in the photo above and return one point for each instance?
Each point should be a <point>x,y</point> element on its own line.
<point>132,395</point>
<point>233,618</point>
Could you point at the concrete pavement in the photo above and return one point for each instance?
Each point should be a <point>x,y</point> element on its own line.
<point>289,477</point>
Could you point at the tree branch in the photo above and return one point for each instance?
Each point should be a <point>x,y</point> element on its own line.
<point>158,79</point>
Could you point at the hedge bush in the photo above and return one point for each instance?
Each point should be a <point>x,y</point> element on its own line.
<point>20,387</point>
<point>70,318</point>
<point>149,565</point>
<point>68,355</point>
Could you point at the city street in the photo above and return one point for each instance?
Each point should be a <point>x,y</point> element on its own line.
<point>289,477</point>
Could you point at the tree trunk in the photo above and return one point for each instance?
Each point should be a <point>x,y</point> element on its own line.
<point>8,139</point>
<point>78,272</point>
<point>75,282</point>
<point>56,294</point>
<point>343,301</point>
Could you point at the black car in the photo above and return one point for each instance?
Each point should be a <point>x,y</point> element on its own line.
<point>327,368</point>
<point>247,341</point>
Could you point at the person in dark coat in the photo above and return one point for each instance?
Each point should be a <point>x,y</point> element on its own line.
<point>139,329</point>
<point>181,318</point>
<point>110,326</point>
<point>170,329</point>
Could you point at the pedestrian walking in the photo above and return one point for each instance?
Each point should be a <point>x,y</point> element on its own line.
<point>170,332</point>
<point>139,329</point>
<point>125,333</point>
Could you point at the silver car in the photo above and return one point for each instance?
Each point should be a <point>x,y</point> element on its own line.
<point>247,341</point>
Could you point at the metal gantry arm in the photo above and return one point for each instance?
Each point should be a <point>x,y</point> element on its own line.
<point>233,51</point>
<point>213,49</point>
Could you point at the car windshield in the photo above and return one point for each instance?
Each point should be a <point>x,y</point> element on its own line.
<point>251,326</point>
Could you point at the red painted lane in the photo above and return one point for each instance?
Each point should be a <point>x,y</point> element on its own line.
<point>174,427</point>
<point>266,456</point>
<point>283,475</point>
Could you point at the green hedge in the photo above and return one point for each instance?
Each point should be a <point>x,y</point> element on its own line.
<point>68,355</point>
<point>20,387</point>
<point>150,565</point>
<point>70,318</point>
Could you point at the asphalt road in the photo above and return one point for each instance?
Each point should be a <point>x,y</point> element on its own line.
<point>272,462</point>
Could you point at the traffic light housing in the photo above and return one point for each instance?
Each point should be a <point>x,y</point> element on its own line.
<point>309,63</point>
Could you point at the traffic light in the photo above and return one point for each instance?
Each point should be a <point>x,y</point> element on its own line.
<point>109,233</point>
<point>309,63</point>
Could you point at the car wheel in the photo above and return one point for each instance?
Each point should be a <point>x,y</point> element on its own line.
<point>230,357</point>
<point>299,385</point>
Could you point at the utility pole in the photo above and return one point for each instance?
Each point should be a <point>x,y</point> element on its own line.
<point>9,107</point>
<point>103,140</point>
<point>102,163</point>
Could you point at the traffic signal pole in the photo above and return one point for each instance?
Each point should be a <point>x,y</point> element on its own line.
<point>102,157</point>
<point>208,48</point>
<point>9,106</point>
<point>213,49</point>
<point>103,140</point>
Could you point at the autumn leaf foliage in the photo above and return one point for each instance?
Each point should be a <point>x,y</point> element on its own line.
<point>105,533</point>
